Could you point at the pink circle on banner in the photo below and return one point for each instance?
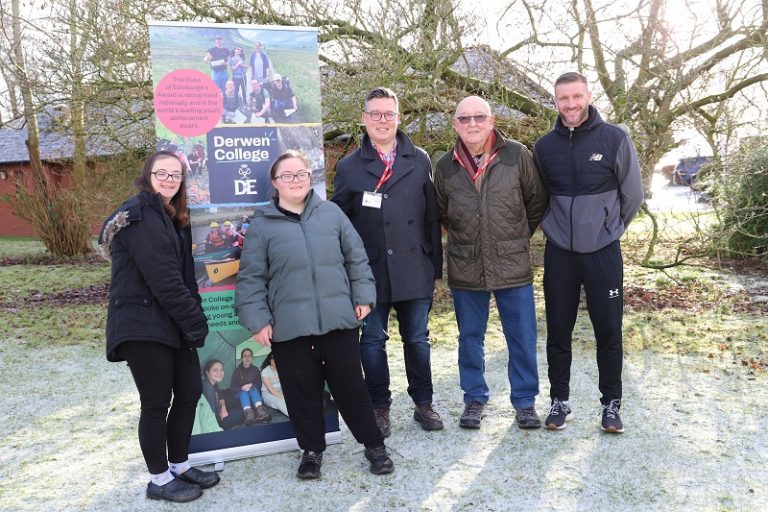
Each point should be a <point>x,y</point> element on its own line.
<point>188,102</point>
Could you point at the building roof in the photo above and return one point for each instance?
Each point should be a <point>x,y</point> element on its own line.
<point>113,134</point>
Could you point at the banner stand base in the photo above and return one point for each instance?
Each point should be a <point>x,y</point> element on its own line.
<point>218,457</point>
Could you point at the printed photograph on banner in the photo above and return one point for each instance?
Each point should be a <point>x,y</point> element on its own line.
<point>242,390</point>
<point>263,76</point>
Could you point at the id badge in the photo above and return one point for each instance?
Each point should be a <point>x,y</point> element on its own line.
<point>372,199</point>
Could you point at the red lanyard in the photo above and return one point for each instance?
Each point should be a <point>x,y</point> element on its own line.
<point>387,170</point>
<point>480,169</point>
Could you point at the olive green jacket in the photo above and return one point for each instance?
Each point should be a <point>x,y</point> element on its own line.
<point>489,230</point>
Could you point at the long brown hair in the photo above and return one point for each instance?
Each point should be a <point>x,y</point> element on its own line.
<point>176,208</point>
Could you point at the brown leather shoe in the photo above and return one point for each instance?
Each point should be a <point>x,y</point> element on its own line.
<point>472,415</point>
<point>382,421</point>
<point>427,417</point>
<point>261,415</point>
<point>250,417</point>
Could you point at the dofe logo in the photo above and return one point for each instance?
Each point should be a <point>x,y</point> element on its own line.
<point>245,186</point>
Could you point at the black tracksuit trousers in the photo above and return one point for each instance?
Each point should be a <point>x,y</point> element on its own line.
<point>304,365</point>
<point>602,274</point>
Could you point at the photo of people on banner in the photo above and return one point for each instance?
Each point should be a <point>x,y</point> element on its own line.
<point>250,394</point>
<point>229,99</point>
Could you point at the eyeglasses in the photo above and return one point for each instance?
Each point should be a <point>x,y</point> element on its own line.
<point>290,178</point>
<point>479,119</point>
<point>376,116</point>
<point>163,176</point>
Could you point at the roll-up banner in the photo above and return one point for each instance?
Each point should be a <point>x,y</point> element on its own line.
<point>228,100</point>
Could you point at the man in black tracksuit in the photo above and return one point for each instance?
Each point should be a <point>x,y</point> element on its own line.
<point>591,171</point>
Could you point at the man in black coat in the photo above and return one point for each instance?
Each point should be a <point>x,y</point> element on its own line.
<point>385,188</point>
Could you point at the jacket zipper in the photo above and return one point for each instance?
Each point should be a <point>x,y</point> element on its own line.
<point>573,184</point>
<point>314,277</point>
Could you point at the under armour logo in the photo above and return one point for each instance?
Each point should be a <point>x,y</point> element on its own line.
<point>612,294</point>
<point>596,157</point>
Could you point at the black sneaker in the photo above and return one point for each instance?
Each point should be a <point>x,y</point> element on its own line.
<point>472,415</point>
<point>310,465</point>
<point>381,464</point>
<point>527,418</point>
<point>382,420</point>
<point>176,490</point>
<point>427,417</point>
<point>611,420</point>
<point>559,413</point>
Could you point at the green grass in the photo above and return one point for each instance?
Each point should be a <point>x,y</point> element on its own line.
<point>42,326</point>
<point>706,317</point>
<point>22,281</point>
<point>20,247</point>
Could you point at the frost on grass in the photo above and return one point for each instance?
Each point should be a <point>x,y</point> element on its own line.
<point>693,442</point>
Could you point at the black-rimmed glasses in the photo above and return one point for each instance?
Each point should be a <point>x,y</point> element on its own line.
<point>164,176</point>
<point>479,119</point>
<point>290,178</point>
<point>376,116</point>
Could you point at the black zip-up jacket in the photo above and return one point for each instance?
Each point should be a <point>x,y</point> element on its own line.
<point>153,295</point>
<point>594,183</point>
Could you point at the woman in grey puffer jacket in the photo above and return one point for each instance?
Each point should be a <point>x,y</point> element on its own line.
<point>303,288</point>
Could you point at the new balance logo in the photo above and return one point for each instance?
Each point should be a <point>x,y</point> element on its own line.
<point>612,294</point>
<point>596,157</point>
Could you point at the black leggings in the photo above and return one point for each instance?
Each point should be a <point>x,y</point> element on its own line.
<point>160,372</point>
<point>304,364</point>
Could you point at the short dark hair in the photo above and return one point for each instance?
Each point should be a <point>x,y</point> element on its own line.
<point>381,92</point>
<point>177,206</point>
<point>246,349</point>
<point>570,77</point>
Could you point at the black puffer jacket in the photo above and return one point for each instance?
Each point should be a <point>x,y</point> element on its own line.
<point>153,295</point>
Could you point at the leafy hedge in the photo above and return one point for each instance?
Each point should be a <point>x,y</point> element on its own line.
<point>740,190</point>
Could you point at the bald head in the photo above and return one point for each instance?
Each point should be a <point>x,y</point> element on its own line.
<point>475,104</point>
<point>473,123</point>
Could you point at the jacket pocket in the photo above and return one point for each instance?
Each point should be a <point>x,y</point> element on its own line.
<point>140,317</point>
<point>462,251</point>
<point>514,260</point>
<point>463,267</point>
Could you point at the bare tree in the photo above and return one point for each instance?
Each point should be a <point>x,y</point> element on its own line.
<point>650,76</point>
<point>411,46</point>
<point>89,79</point>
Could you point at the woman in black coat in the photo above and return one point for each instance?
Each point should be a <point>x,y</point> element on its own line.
<point>155,322</point>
